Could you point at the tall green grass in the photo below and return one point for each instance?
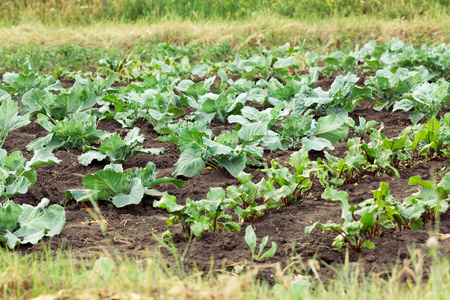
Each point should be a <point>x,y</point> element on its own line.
<point>89,11</point>
<point>62,275</point>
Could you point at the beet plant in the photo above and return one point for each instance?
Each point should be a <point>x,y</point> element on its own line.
<point>199,217</point>
<point>250,199</point>
<point>250,239</point>
<point>289,186</point>
<point>377,215</point>
<point>433,198</point>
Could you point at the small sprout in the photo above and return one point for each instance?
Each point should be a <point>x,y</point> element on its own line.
<point>250,239</point>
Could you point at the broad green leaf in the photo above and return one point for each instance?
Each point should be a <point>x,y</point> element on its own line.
<point>416,116</point>
<point>335,195</point>
<point>107,179</point>
<point>48,142</point>
<point>37,100</point>
<point>253,132</point>
<point>368,245</point>
<point>200,225</point>
<point>405,105</point>
<point>216,193</point>
<point>86,158</point>
<point>285,62</point>
<point>192,139</point>
<point>87,195</point>
<point>133,197</point>
<point>19,186</point>
<point>332,128</point>
<point>228,138</point>
<point>367,220</point>
<point>189,164</point>
<point>36,222</point>
<point>169,203</point>
<point>199,70</point>
<point>317,143</point>
<point>417,180</point>
<point>216,148</point>
<point>3,95</point>
<point>21,82</point>
<point>42,157</point>
<point>9,118</point>
<point>233,165</point>
<point>177,182</point>
<point>445,182</point>
<point>9,216</point>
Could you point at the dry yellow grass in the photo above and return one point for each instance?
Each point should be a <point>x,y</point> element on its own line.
<point>328,35</point>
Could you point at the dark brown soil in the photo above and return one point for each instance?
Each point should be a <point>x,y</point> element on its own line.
<point>129,230</point>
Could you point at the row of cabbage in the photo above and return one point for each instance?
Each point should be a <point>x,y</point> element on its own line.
<point>297,113</point>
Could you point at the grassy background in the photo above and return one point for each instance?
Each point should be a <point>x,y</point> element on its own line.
<point>76,34</point>
<point>91,11</point>
<point>76,47</point>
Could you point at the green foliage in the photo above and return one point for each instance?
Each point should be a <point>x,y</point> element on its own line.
<point>19,84</point>
<point>314,135</point>
<point>250,239</point>
<point>389,86</point>
<point>399,216</point>
<point>341,62</point>
<point>427,100</point>
<point>152,99</point>
<point>22,224</point>
<point>210,106</point>
<point>199,217</point>
<point>377,215</point>
<point>249,199</point>
<point>120,188</point>
<point>80,98</point>
<point>197,149</point>
<point>289,187</point>
<point>170,132</point>
<point>72,132</point>
<point>343,95</point>
<point>295,128</point>
<point>250,114</point>
<point>10,119</point>
<point>116,150</point>
<point>365,126</point>
<point>17,174</point>
<point>135,11</point>
<point>432,198</point>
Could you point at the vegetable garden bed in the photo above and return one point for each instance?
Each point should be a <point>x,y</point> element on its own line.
<point>128,228</point>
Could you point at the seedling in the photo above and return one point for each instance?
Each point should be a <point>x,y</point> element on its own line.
<point>250,239</point>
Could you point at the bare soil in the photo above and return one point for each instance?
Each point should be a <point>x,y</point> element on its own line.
<point>129,230</point>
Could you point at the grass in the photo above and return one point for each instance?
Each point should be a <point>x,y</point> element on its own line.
<point>60,275</point>
<point>90,11</point>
